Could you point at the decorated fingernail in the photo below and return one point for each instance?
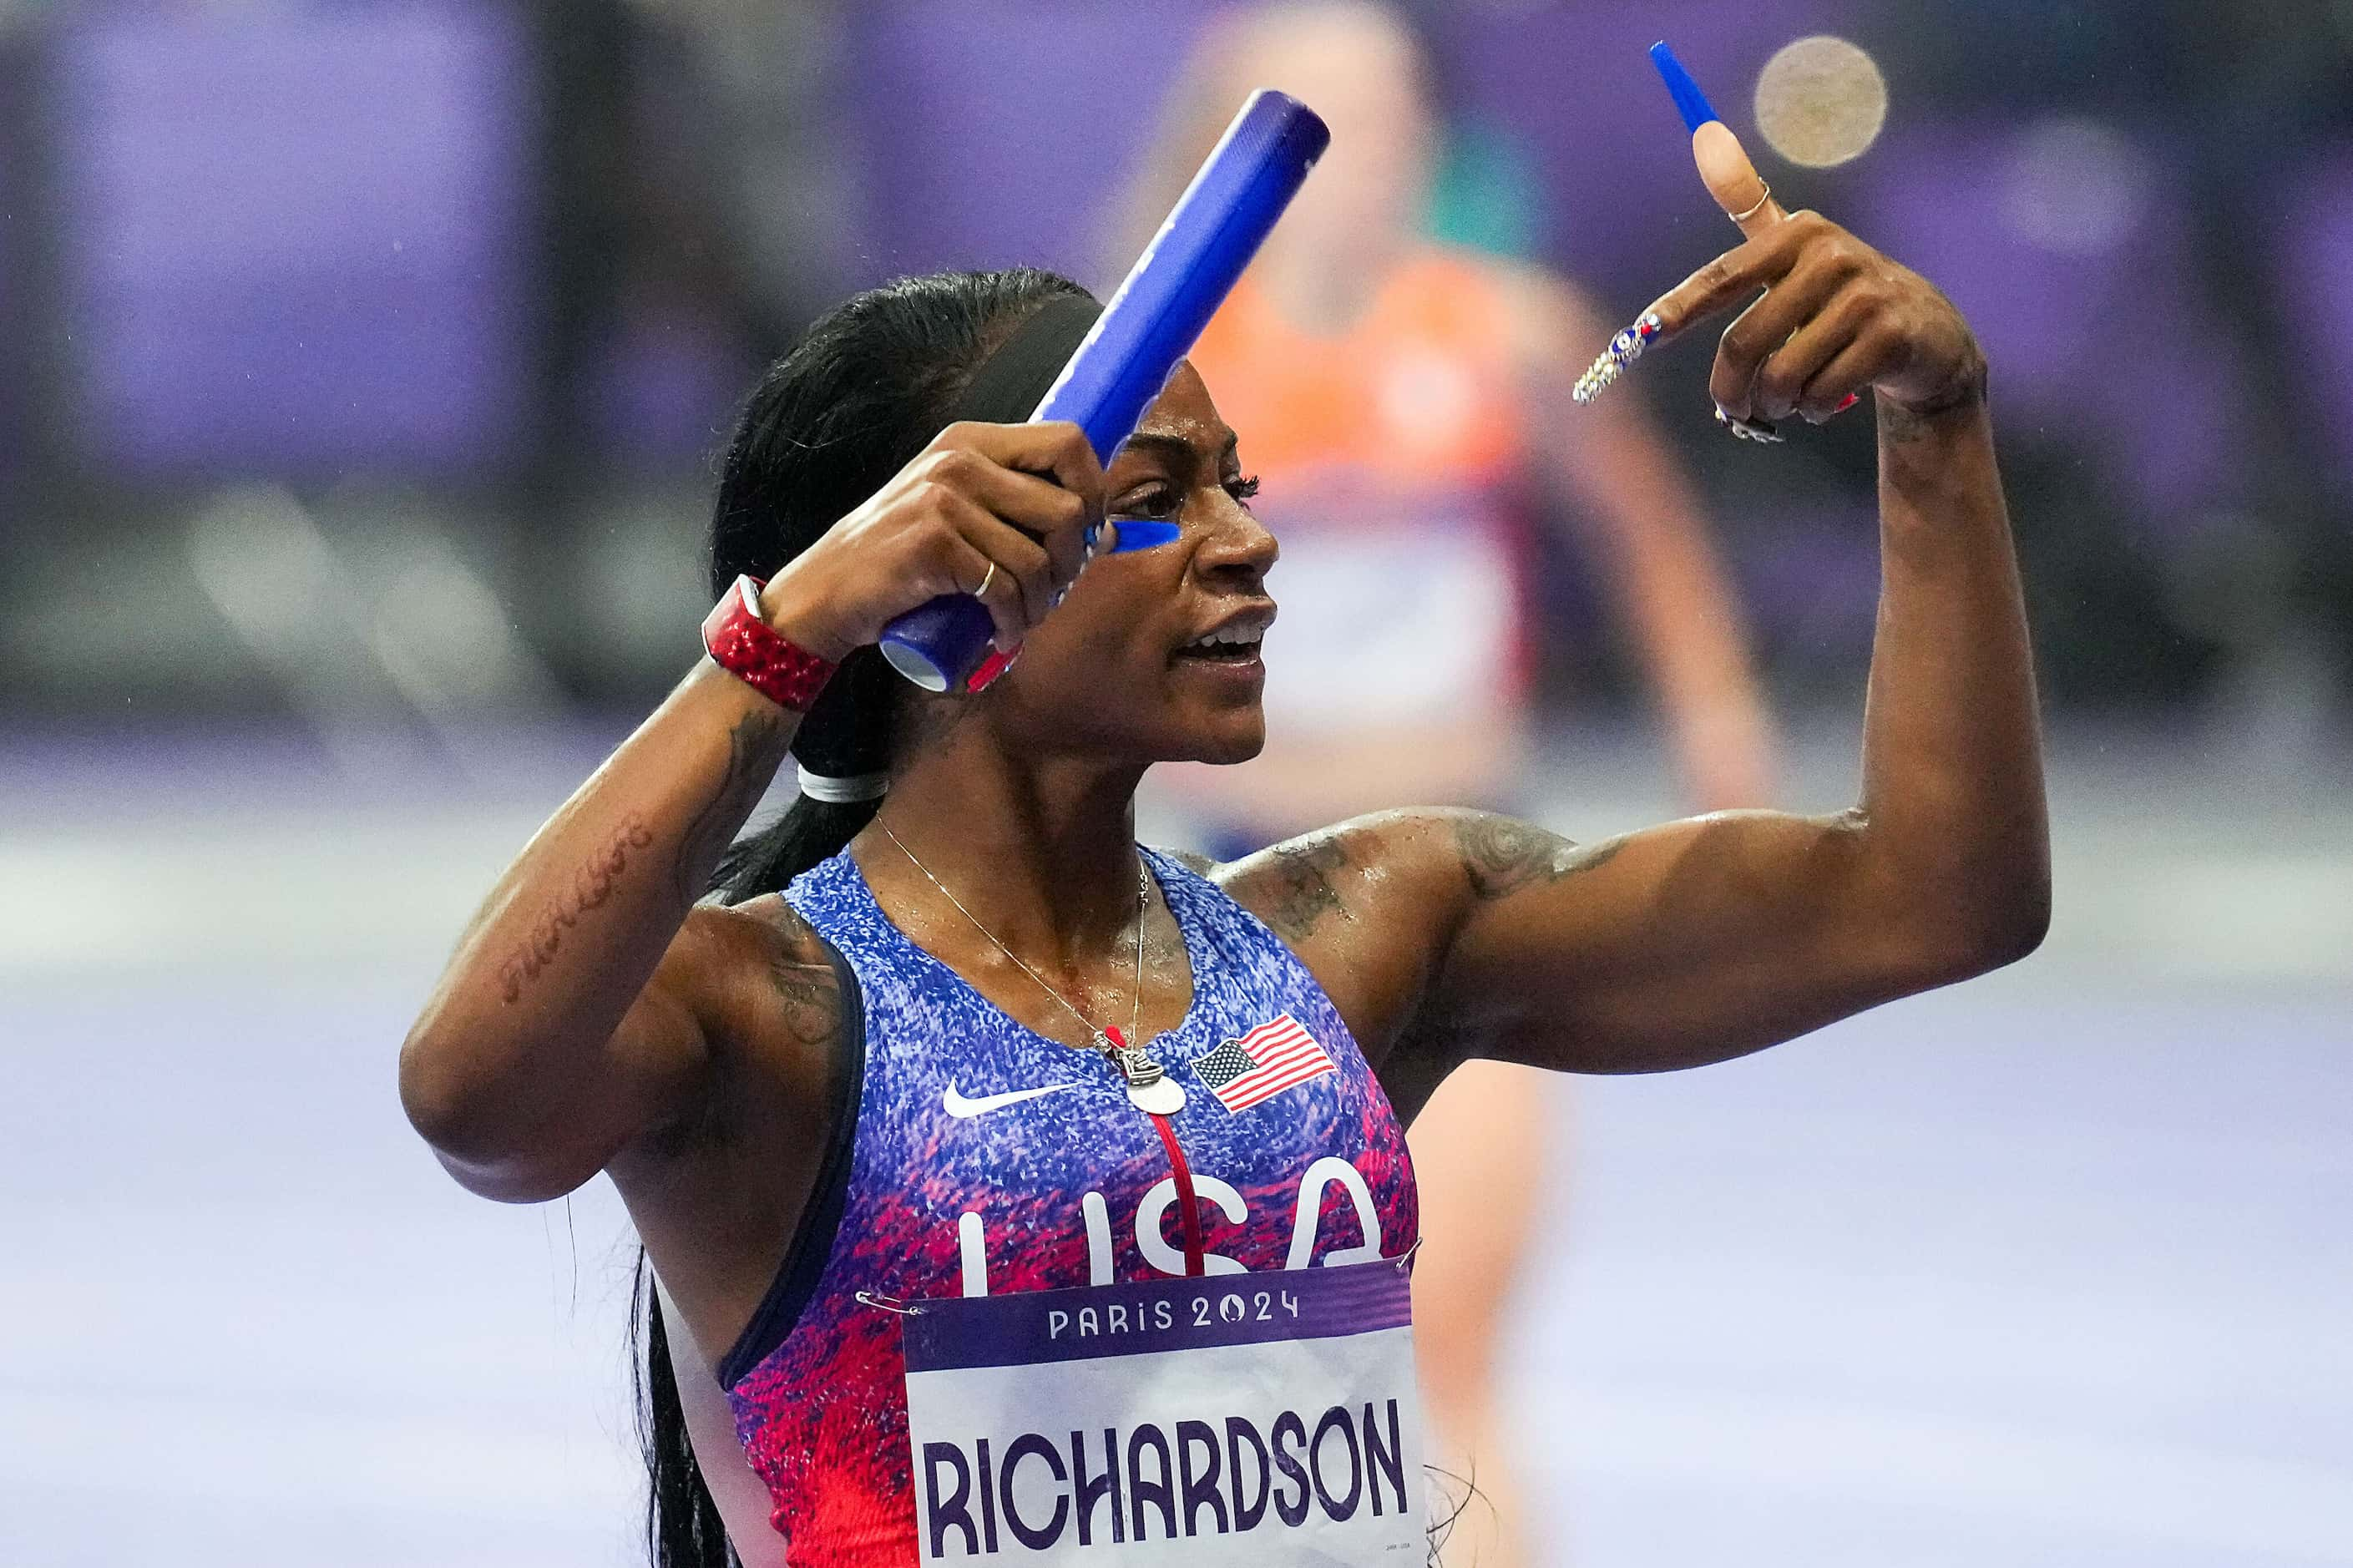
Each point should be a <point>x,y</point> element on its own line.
<point>1613,362</point>
<point>1748,429</point>
<point>1690,102</point>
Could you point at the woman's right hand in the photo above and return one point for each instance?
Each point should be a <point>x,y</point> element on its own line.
<point>1018,498</point>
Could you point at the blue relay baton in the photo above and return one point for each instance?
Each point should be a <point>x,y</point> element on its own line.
<point>1183,275</point>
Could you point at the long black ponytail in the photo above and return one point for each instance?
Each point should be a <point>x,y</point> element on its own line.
<point>868,386</point>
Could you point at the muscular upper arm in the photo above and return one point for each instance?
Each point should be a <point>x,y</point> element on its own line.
<point>1680,945</point>
<point>729,979</point>
<point>1443,934</point>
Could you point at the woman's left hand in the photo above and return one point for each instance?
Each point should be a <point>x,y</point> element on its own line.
<point>1837,318</point>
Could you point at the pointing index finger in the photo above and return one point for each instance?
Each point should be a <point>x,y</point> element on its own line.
<point>1730,279</point>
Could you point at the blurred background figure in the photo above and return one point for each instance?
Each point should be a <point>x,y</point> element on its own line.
<point>346,350</point>
<point>1405,401</point>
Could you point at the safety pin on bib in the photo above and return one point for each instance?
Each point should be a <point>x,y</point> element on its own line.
<point>1402,1258</point>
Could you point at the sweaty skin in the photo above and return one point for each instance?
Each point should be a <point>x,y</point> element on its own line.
<point>594,1018</point>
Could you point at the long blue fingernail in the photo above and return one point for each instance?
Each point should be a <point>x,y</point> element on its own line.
<point>1142,533</point>
<point>1693,103</point>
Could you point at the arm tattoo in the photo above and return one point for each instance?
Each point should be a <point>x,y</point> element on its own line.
<point>1501,856</point>
<point>750,748</point>
<point>1306,894</point>
<point>592,885</point>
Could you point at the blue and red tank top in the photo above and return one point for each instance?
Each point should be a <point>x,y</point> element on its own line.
<point>981,1157</point>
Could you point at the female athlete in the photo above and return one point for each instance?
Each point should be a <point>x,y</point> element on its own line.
<point>933,1050</point>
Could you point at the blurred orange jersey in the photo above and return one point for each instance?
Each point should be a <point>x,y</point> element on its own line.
<point>1421,389</point>
<point>1393,454</point>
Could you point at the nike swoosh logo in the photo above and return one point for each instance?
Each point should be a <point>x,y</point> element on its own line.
<point>963,1109</point>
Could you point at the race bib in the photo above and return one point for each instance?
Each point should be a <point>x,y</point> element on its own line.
<point>1263,1418</point>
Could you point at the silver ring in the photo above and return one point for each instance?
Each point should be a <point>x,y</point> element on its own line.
<point>985,579</point>
<point>1752,212</point>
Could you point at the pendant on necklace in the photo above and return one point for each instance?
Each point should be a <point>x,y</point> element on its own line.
<point>1149,1088</point>
<point>1162,1097</point>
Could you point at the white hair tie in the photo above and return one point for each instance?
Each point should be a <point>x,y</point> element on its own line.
<point>843,791</point>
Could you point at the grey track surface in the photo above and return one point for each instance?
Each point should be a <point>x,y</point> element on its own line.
<point>2053,1268</point>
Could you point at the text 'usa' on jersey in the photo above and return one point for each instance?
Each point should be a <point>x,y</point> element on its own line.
<point>987,1159</point>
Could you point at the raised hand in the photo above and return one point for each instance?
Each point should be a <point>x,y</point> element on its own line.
<point>999,511</point>
<point>1836,318</point>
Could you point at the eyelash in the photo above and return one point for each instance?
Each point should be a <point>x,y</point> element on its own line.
<point>1161,500</point>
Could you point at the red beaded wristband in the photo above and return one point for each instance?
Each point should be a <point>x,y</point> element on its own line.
<point>741,642</point>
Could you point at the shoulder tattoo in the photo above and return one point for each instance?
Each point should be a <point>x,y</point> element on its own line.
<point>1304,893</point>
<point>804,978</point>
<point>1501,856</point>
<point>811,995</point>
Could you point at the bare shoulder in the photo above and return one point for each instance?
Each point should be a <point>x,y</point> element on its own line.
<point>1301,886</point>
<point>1434,856</point>
<point>780,972</point>
<point>757,990</point>
<point>1374,906</point>
<point>1369,905</point>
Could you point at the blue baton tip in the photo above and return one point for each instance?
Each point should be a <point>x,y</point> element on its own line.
<point>1693,103</point>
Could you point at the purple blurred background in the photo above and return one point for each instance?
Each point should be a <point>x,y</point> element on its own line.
<point>365,365</point>
<point>503,268</point>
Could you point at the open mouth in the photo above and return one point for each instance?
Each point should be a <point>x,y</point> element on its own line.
<point>1237,646</point>
<point>1233,642</point>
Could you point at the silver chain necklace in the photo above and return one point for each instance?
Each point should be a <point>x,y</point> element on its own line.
<point>1148,1085</point>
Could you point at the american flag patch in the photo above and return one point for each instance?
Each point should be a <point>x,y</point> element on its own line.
<point>1271,1059</point>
